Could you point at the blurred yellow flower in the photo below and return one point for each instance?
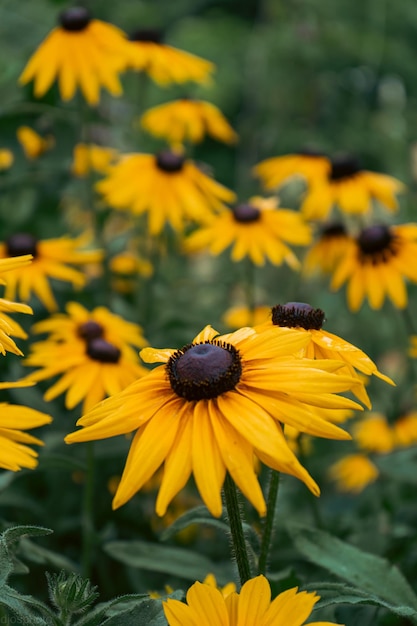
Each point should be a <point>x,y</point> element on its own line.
<point>373,434</point>
<point>375,265</point>
<point>276,171</point>
<point>167,186</point>
<point>81,52</point>
<point>32,143</point>
<point>328,249</point>
<point>187,120</point>
<point>166,64</point>
<point>258,229</point>
<point>353,473</point>
<point>52,258</point>
<point>8,326</point>
<point>88,157</point>
<point>404,430</point>
<point>6,159</point>
<point>239,316</point>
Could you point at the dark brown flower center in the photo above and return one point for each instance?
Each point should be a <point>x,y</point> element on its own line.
<point>297,314</point>
<point>204,370</point>
<point>343,166</point>
<point>376,241</point>
<point>147,34</point>
<point>333,230</point>
<point>22,243</point>
<point>246,213</point>
<point>90,330</point>
<point>75,19</point>
<point>101,350</point>
<point>169,162</point>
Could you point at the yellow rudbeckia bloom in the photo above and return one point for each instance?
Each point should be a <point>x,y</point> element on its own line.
<point>187,120</point>
<point>81,52</point>
<point>328,250</point>
<point>8,326</point>
<point>257,229</point>
<point>6,159</point>
<point>212,406</point>
<point>307,164</point>
<point>88,157</point>
<point>350,188</point>
<point>300,317</point>
<point>167,186</point>
<point>166,64</point>
<point>92,353</point>
<point>15,450</point>
<point>375,264</point>
<point>252,606</point>
<point>373,434</point>
<point>52,258</point>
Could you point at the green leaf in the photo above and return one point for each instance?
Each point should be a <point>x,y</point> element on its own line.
<point>376,580</point>
<point>16,532</point>
<point>165,559</point>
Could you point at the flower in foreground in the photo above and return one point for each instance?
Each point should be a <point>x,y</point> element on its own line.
<point>15,450</point>
<point>8,326</point>
<point>375,265</point>
<point>252,606</point>
<point>300,317</point>
<point>308,164</point>
<point>52,258</point>
<point>211,406</point>
<point>166,64</point>
<point>257,229</point>
<point>351,188</point>
<point>187,120</point>
<point>167,186</point>
<point>80,52</point>
<point>92,353</point>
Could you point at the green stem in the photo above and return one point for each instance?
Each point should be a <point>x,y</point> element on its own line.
<point>87,520</point>
<point>250,287</point>
<point>236,529</point>
<point>268,527</point>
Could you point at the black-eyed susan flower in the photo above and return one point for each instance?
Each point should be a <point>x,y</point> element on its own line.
<point>300,317</point>
<point>327,250</point>
<point>15,450</point>
<point>307,164</point>
<point>169,187</point>
<point>89,157</point>
<point>6,159</point>
<point>353,473</point>
<point>52,258</point>
<point>210,407</point>
<point>81,52</point>
<point>33,144</point>
<point>351,188</point>
<point>8,326</point>
<point>165,64</point>
<point>373,434</point>
<point>258,229</point>
<point>207,606</point>
<point>92,353</point>
<point>188,120</point>
<point>375,265</point>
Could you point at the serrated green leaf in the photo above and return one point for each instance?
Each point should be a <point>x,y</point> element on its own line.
<point>165,559</point>
<point>377,580</point>
<point>16,532</point>
<point>150,613</point>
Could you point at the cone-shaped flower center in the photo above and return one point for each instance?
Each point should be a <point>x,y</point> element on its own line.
<point>75,19</point>
<point>147,34</point>
<point>204,370</point>
<point>297,314</point>
<point>169,162</point>
<point>101,350</point>
<point>344,166</point>
<point>90,330</point>
<point>333,230</point>
<point>375,239</point>
<point>21,243</point>
<point>246,213</point>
